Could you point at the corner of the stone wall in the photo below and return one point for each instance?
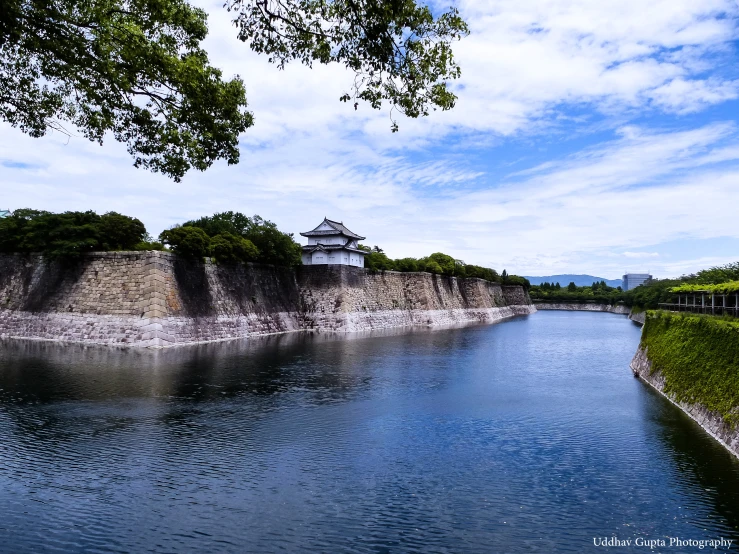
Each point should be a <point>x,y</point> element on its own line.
<point>156,309</point>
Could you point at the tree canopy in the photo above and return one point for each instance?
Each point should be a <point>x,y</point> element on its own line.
<point>135,68</point>
<point>715,275</point>
<point>721,280</point>
<point>398,50</point>
<point>70,234</point>
<point>598,292</point>
<point>440,264</point>
<point>188,242</point>
<point>272,245</point>
<point>194,243</point>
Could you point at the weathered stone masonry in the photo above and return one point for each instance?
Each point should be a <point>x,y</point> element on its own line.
<point>156,299</point>
<point>354,299</point>
<point>711,422</point>
<point>574,307</point>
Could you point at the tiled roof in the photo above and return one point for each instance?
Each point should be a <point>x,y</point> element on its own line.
<point>314,247</point>
<point>338,228</point>
<point>325,247</point>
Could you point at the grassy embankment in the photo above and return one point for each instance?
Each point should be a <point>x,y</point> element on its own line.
<point>699,357</point>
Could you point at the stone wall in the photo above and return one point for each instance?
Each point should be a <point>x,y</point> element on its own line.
<point>515,295</point>
<point>712,422</point>
<point>575,307</point>
<point>113,283</point>
<point>102,298</point>
<point>156,299</point>
<point>367,300</point>
<point>638,318</point>
<point>208,302</point>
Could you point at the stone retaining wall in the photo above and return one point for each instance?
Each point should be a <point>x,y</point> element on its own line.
<point>617,309</point>
<point>639,318</point>
<point>376,300</point>
<point>712,422</point>
<point>156,299</point>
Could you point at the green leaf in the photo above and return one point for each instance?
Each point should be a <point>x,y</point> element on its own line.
<point>133,69</point>
<point>399,51</point>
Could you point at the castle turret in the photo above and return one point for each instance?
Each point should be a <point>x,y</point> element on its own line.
<point>332,243</point>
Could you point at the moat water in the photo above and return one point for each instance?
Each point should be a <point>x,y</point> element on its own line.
<point>526,436</point>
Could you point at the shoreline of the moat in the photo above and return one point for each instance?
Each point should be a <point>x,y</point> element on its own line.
<point>314,333</point>
<point>644,367</point>
<point>154,299</point>
<point>476,421</point>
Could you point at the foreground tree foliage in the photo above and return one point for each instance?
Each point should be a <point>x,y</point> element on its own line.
<point>70,234</point>
<point>135,68</point>
<point>398,51</point>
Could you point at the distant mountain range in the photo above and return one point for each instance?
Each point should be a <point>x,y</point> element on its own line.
<point>579,280</point>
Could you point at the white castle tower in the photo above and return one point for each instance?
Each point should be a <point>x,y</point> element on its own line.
<point>332,243</point>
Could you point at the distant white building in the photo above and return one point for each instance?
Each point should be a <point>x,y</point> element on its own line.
<point>633,280</point>
<point>5,213</point>
<point>332,243</point>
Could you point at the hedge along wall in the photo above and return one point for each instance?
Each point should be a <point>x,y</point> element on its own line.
<point>698,357</point>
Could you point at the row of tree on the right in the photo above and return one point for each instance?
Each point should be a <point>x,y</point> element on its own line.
<point>647,296</point>
<point>439,264</point>
<point>599,292</point>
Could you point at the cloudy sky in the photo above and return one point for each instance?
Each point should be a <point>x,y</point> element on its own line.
<point>589,137</point>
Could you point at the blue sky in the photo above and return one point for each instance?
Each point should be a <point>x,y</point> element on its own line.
<point>589,137</point>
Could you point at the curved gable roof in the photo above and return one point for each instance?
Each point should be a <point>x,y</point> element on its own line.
<point>334,228</point>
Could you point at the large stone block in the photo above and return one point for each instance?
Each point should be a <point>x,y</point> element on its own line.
<point>154,299</point>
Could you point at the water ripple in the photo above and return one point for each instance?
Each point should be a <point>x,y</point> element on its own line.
<point>529,436</point>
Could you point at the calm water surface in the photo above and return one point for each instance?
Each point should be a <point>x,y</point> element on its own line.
<point>527,436</point>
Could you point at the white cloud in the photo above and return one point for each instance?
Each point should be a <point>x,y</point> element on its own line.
<point>525,57</point>
<point>530,69</point>
<point>521,61</point>
<point>641,254</point>
<point>684,96</point>
<point>569,215</point>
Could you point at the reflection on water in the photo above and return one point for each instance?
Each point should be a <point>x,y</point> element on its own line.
<point>530,435</point>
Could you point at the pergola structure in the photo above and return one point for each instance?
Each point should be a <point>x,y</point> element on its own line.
<point>705,302</point>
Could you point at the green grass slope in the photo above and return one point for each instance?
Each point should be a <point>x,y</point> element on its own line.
<point>699,357</point>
